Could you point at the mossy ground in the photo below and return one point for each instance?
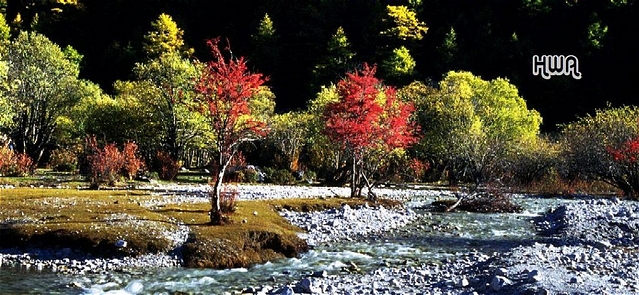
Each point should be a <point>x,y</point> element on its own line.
<point>91,221</point>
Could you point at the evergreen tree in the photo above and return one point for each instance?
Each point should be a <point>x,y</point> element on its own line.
<point>338,59</point>
<point>165,37</point>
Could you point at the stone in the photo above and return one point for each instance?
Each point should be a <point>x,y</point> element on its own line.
<point>463,282</point>
<point>120,244</point>
<point>285,291</point>
<point>501,272</point>
<point>533,276</point>
<point>306,285</point>
<point>320,274</point>
<point>602,245</point>
<point>499,282</point>
<point>134,287</point>
<point>576,280</point>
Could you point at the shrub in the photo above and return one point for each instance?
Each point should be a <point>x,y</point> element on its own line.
<point>310,176</point>
<point>132,163</point>
<point>15,164</point>
<point>7,160</point>
<point>532,164</point>
<point>251,175</point>
<point>279,176</point>
<point>169,167</point>
<point>23,165</point>
<point>63,160</point>
<point>104,164</point>
<point>417,169</point>
<point>593,146</point>
<point>228,199</point>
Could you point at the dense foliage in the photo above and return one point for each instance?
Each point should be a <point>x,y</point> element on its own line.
<point>125,71</point>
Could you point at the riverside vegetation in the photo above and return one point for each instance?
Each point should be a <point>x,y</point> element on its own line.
<point>92,223</point>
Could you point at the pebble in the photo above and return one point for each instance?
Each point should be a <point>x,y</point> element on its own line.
<point>567,251</point>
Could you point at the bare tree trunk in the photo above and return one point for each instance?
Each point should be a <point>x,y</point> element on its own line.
<point>216,212</point>
<point>460,198</point>
<point>353,178</point>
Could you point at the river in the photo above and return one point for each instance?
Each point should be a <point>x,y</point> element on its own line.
<point>433,238</point>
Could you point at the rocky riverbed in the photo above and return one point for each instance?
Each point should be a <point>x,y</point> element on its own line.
<point>584,247</point>
<point>588,247</point>
<point>70,261</point>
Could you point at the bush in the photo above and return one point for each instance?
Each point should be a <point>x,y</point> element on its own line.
<point>15,164</point>
<point>132,163</point>
<point>23,165</point>
<point>7,160</point>
<point>594,148</point>
<point>169,167</point>
<point>63,160</point>
<point>310,176</point>
<point>228,199</point>
<point>279,176</point>
<point>250,175</point>
<point>104,164</point>
<point>532,164</point>
<point>108,164</point>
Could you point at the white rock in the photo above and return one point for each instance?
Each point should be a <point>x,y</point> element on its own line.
<point>498,282</point>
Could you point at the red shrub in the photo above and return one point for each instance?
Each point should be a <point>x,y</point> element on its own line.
<point>132,163</point>
<point>168,166</point>
<point>16,164</point>
<point>418,169</point>
<point>105,164</point>
<point>23,165</point>
<point>7,160</point>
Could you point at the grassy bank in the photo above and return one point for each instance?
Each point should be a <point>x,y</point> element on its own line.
<point>92,221</point>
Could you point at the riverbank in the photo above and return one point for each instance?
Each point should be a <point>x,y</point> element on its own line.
<point>589,247</point>
<point>77,231</point>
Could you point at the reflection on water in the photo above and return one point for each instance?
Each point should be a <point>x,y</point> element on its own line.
<point>432,238</point>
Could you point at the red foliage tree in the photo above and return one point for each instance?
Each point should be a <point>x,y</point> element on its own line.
<point>225,89</point>
<point>368,116</point>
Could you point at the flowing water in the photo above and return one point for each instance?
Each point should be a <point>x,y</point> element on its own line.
<point>432,238</point>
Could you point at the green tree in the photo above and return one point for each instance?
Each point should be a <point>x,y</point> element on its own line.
<point>266,46</point>
<point>5,30</point>
<point>7,110</point>
<point>165,37</point>
<point>47,87</point>
<point>449,49</point>
<point>330,163</point>
<point>404,24</point>
<point>471,126</point>
<point>266,29</point>
<point>289,136</point>
<point>338,59</point>
<point>400,65</point>
<point>170,82</point>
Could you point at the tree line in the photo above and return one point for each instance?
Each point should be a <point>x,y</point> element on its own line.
<point>488,38</point>
<point>356,128</point>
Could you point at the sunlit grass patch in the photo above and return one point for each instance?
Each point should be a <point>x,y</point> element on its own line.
<point>92,221</point>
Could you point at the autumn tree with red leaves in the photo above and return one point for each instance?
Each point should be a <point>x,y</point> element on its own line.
<point>367,117</point>
<point>225,90</point>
